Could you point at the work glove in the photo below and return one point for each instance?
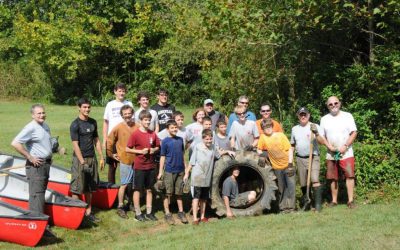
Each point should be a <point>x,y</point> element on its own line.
<point>313,128</point>
<point>290,171</point>
<point>261,161</point>
<point>337,156</point>
<point>159,185</point>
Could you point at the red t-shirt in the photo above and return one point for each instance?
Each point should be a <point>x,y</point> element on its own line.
<point>140,140</point>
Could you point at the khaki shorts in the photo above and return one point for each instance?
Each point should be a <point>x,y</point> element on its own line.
<point>241,200</point>
<point>84,179</point>
<point>302,166</point>
<point>173,183</point>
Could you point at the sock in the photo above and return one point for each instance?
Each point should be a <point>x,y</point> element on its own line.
<point>138,211</point>
<point>148,210</point>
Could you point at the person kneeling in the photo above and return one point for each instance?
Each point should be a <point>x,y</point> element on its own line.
<point>231,195</point>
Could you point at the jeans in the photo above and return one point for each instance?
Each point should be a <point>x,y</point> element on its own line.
<point>286,189</point>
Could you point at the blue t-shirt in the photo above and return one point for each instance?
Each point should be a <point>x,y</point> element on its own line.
<point>173,150</point>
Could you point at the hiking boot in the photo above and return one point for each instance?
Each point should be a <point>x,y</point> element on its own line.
<point>122,213</point>
<point>317,191</point>
<point>92,218</point>
<point>151,217</point>
<point>351,205</point>
<point>169,219</point>
<point>140,218</point>
<point>182,217</point>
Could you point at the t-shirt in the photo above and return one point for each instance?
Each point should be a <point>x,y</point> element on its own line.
<point>337,131</point>
<point>230,188</point>
<point>233,117</point>
<point>222,143</point>
<point>276,128</point>
<point>202,161</point>
<point>84,132</point>
<point>244,134</point>
<point>153,121</point>
<point>36,138</point>
<point>164,114</point>
<point>194,129</point>
<point>112,113</point>
<point>173,150</point>
<point>140,140</point>
<point>300,137</point>
<point>278,149</point>
<point>181,133</point>
<point>119,136</point>
<point>215,118</point>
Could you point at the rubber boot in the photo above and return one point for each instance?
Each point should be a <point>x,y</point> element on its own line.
<point>303,197</point>
<point>317,198</point>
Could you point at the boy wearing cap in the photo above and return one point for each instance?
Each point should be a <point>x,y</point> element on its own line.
<point>213,114</point>
<point>301,139</point>
<point>231,195</point>
<point>280,156</point>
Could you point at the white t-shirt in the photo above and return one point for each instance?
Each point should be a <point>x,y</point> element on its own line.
<point>194,129</point>
<point>300,137</point>
<point>337,131</point>
<point>244,134</point>
<point>153,121</point>
<point>112,113</point>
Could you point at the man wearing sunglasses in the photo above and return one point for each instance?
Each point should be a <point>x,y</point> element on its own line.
<point>242,101</point>
<point>266,112</point>
<point>340,131</point>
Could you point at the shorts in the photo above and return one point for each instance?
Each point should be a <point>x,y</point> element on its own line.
<point>84,178</point>
<point>302,166</point>
<point>126,172</point>
<point>144,179</point>
<point>346,166</point>
<point>202,193</point>
<point>173,183</point>
<point>241,200</point>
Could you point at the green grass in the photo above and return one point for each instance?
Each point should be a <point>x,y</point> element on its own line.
<point>370,226</point>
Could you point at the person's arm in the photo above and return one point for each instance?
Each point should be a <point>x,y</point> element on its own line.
<point>99,151</point>
<point>187,172</point>
<point>78,152</point>
<point>111,140</point>
<point>20,149</point>
<point>255,143</point>
<point>157,128</point>
<point>157,145</point>
<point>161,171</point>
<point>348,143</point>
<point>227,207</point>
<point>105,130</point>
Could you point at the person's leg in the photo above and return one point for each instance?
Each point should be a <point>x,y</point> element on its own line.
<point>251,196</point>
<point>195,208</point>
<point>281,187</point>
<point>136,202</point>
<point>121,194</point>
<point>112,169</point>
<point>179,203</point>
<point>290,192</point>
<point>88,200</point>
<point>202,209</point>
<point>332,176</point>
<point>166,202</point>
<point>350,189</point>
<point>149,201</point>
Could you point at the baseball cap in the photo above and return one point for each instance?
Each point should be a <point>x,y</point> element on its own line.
<point>303,110</point>
<point>207,101</point>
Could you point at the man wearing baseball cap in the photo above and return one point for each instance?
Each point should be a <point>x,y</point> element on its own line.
<point>302,136</point>
<point>215,116</point>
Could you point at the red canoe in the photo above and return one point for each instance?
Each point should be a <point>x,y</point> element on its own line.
<point>21,226</point>
<point>63,211</point>
<point>59,181</point>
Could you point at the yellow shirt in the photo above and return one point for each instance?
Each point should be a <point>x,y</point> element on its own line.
<point>278,147</point>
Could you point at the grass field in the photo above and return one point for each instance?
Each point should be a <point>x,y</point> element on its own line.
<point>370,226</point>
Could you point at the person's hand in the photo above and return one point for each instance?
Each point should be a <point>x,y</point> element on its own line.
<point>290,171</point>
<point>159,176</point>
<point>35,161</point>
<point>342,149</point>
<point>145,151</point>
<point>102,163</point>
<point>185,177</point>
<point>313,128</point>
<point>231,153</point>
<point>152,151</point>
<point>116,157</point>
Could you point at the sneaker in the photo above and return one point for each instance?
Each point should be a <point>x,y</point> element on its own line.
<point>169,219</point>
<point>351,205</point>
<point>140,218</point>
<point>182,217</point>
<point>92,218</point>
<point>151,217</point>
<point>204,220</point>
<point>332,204</point>
<point>122,213</point>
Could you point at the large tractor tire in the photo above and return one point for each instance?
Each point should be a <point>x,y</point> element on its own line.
<point>252,177</point>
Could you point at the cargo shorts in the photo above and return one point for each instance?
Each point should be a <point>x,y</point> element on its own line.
<point>84,177</point>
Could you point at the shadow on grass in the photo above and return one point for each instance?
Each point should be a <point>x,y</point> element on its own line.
<point>47,241</point>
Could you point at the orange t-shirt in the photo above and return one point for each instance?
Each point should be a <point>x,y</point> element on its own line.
<point>276,128</point>
<point>119,135</point>
<point>278,147</point>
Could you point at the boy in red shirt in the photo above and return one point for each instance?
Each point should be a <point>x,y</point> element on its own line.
<point>144,143</point>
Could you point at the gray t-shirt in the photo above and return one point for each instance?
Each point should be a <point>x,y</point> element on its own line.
<point>202,162</point>
<point>153,121</point>
<point>244,134</point>
<point>300,137</point>
<point>230,188</point>
<point>222,143</point>
<point>36,138</point>
<point>181,133</point>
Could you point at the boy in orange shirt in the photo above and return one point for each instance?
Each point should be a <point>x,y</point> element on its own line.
<point>278,147</point>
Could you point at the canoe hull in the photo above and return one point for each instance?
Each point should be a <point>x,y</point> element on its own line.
<point>27,232</point>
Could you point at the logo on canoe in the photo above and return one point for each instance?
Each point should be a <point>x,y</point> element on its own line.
<point>32,226</point>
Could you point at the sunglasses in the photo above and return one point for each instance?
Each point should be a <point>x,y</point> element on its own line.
<point>240,114</point>
<point>265,110</point>
<point>333,104</point>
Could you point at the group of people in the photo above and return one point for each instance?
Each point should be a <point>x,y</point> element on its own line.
<point>149,144</point>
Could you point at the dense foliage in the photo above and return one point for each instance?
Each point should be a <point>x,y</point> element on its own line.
<point>288,53</point>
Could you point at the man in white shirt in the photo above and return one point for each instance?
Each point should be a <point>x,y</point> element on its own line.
<point>340,131</point>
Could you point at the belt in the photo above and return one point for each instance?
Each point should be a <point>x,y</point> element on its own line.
<point>305,156</point>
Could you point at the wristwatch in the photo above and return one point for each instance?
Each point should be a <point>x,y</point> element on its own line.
<point>347,146</point>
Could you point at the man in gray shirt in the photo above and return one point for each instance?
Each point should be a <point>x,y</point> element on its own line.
<point>36,138</point>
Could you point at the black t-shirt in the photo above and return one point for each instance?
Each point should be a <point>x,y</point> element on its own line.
<point>84,132</point>
<point>164,114</point>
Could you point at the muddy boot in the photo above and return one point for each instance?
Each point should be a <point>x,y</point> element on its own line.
<point>317,198</point>
<point>303,198</point>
